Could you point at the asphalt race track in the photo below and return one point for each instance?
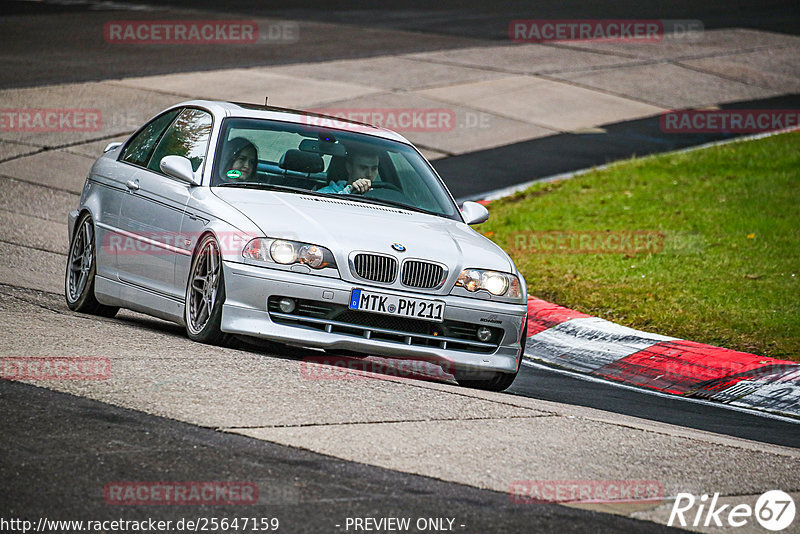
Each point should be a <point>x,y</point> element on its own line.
<point>452,24</point>
<point>62,476</point>
<point>324,451</point>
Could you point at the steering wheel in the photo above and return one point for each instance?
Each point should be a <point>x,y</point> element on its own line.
<point>386,191</point>
<point>385,185</point>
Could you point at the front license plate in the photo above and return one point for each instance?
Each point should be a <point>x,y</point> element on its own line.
<point>428,310</point>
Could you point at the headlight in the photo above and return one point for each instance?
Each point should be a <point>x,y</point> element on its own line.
<point>288,252</point>
<point>469,280</point>
<point>496,283</point>
<point>283,252</point>
<point>312,255</point>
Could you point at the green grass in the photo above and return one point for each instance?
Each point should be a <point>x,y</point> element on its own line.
<point>729,270</point>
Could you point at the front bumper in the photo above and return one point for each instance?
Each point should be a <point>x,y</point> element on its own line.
<point>248,289</point>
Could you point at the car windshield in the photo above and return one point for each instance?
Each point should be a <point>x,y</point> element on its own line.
<point>306,158</point>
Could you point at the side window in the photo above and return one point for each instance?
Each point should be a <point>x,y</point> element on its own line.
<point>141,146</point>
<point>188,137</point>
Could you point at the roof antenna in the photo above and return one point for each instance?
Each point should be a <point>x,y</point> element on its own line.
<point>266,98</point>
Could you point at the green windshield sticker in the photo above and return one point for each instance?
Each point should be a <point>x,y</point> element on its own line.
<point>233,173</point>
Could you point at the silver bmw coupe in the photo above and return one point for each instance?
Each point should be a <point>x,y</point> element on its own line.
<point>298,228</point>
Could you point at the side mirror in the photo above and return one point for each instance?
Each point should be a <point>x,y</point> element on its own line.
<point>111,146</point>
<point>178,167</point>
<point>474,213</point>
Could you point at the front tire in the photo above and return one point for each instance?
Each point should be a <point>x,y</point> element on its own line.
<point>81,270</point>
<point>205,295</point>
<point>498,382</point>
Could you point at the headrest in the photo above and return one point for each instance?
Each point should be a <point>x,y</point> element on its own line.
<point>299,161</point>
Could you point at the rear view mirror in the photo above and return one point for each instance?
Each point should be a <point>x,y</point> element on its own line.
<point>178,167</point>
<point>474,213</point>
<point>322,147</point>
<point>111,146</point>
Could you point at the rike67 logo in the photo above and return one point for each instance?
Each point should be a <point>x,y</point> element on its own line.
<point>774,510</point>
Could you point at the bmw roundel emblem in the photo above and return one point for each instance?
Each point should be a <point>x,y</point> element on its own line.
<point>398,247</point>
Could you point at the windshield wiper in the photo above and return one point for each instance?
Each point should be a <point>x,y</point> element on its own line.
<point>393,203</point>
<point>271,187</point>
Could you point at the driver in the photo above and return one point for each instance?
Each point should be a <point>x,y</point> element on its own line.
<point>240,159</point>
<point>362,168</point>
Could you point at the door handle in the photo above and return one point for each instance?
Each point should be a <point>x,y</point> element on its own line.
<point>133,185</point>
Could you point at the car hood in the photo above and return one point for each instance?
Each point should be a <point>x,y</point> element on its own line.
<point>344,226</point>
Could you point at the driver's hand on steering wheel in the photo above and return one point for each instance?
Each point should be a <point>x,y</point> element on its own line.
<point>362,185</point>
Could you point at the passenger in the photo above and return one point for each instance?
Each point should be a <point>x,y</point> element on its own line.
<point>240,159</point>
<point>362,168</point>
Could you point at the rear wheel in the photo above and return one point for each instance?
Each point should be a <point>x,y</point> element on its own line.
<point>205,294</point>
<point>81,270</point>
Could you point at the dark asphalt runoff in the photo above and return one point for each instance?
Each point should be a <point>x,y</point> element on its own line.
<point>511,165</point>
<point>489,20</point>
<point>58,452</point>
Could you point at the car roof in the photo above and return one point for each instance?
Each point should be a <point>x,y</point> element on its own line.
<point>259,111</point>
